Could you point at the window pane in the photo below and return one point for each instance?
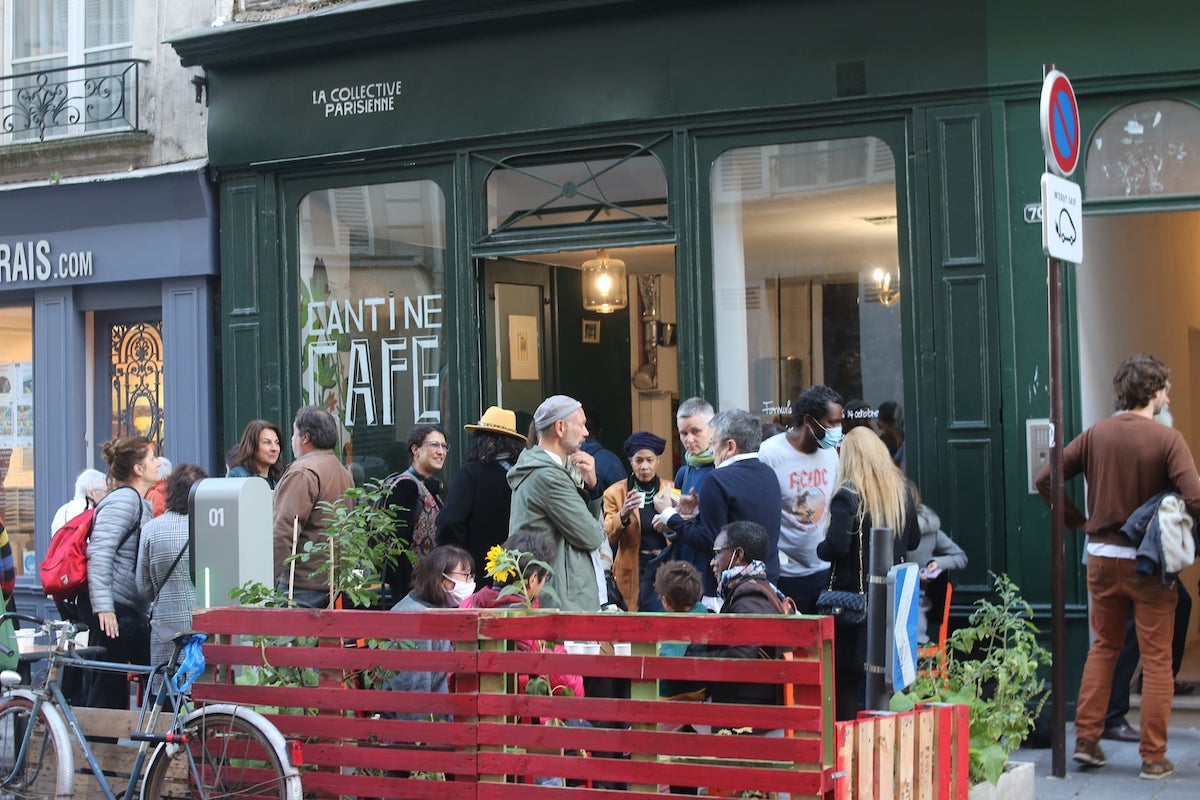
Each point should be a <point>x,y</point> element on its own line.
<point>39,28</point>
<point>1145,149</point>
<point>107,23</point>
<point>806,275</point>
<point>595,191</point>
<point>372,315</point>
<point>16,433</point>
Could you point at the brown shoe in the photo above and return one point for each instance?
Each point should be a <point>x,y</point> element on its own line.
<point>1089,754</point>
<point>1156,770</point>
<point>1122,733</point>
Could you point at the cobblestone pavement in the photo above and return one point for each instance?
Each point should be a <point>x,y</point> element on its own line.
<point>1118,780</point>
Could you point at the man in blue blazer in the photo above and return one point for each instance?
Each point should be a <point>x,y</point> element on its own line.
<point>741,488</point>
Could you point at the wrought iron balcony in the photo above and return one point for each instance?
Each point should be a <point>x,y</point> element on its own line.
<point>70,101</point>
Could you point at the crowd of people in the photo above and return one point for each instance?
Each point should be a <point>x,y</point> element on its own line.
<point>747,525</point>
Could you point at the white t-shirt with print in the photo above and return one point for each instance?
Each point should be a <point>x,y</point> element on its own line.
<point>806,483</point>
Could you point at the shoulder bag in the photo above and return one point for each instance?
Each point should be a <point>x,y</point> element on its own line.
<point>847,608</point>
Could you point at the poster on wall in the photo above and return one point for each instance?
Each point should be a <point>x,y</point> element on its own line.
<point>8,403</point>
<point>523,356</point>
<point>23,404</point>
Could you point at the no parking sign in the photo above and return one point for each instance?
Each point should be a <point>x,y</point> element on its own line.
<point>1060,123</point>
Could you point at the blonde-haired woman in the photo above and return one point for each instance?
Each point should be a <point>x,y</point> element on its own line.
<point>871,492</point>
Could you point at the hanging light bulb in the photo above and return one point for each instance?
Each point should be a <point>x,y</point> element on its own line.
<point>604,286</point>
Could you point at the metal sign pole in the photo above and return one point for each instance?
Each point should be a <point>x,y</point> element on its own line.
<point>1058,613</point>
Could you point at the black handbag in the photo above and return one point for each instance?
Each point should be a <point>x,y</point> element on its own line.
<point>847,608</point>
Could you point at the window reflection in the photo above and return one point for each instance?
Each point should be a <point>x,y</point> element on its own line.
<point>16,434</point>
<point>806,274</point>
<point>373,315</point>
<point>1145,149</point>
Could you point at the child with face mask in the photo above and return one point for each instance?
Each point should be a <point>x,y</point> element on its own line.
<point>443,579</point>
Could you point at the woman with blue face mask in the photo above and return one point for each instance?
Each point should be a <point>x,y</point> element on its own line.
<point>443,579</point>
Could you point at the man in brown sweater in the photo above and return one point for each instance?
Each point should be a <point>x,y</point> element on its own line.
<point>315,475</point>
<point>1127,459</point>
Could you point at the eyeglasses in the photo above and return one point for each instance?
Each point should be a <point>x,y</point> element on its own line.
<point>466,576</point>
<point>436,445</point>
<point>723,549</point>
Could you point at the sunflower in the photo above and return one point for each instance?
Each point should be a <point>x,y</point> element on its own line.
<point>499,564</point>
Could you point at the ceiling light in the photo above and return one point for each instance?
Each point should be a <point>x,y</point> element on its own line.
<point>604,286</point>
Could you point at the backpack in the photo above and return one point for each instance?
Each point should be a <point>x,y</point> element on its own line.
<point>64,570</point>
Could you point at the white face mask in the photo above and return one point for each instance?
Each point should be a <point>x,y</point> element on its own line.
<point>461,591</point>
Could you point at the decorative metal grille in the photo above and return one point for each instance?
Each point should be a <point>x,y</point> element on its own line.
<point>136,376</point>
<point>73,100</point>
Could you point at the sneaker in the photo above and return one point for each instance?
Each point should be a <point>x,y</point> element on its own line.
<point>1089,754</point>
<point>1155,770</point>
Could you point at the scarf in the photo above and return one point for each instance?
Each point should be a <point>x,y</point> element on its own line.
<point>704,459</point>
<point>734,577</point>
<point>648,490</point>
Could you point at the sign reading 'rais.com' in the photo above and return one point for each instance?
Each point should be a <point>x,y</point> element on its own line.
<point>362,98</point>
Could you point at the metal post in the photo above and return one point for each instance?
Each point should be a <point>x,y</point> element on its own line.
<point>881,562</point>
<point>1058,567</point>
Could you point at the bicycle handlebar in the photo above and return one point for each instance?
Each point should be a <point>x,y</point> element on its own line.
<point>49,627</point>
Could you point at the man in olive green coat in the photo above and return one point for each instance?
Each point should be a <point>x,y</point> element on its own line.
<point>550,500</point>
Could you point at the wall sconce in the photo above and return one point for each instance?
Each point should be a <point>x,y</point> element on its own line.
<point>604,287</point>
<point>883,287</point>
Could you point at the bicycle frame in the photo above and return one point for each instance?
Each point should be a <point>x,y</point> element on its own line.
<point>152,706</point>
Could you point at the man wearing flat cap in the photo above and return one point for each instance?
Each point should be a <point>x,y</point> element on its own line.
<point>628,515</point>
<point>548,499</point>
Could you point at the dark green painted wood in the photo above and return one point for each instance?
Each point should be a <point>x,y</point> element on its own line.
<point>964,473</point>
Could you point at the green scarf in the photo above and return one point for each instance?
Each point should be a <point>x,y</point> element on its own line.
<point>704,459</point>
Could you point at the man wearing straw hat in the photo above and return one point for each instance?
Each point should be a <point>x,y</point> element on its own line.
<point>315,475</point>
<point>475,513</point>
<point>552,495</point>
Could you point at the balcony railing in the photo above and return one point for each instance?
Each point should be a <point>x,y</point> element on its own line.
<point>70,101</point>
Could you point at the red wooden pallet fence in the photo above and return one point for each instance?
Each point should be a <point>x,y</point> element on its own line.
<point>915,755</point>
<point>482,740</point>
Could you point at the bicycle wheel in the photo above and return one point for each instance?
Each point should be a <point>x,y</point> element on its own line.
<point>225,756</point>
<point>48,770</point>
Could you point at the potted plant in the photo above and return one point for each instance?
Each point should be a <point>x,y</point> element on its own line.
<point>992,666</point>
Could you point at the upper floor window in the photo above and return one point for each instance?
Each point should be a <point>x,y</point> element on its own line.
<point>68,68</point>
<point>1145,149</point>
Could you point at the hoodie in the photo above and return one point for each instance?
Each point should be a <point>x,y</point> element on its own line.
<point>546,500</point>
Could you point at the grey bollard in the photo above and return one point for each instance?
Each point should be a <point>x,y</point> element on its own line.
<point>877,614</point>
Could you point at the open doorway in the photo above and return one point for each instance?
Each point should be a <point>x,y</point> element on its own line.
<point>618,359</point>
<point>1137,294</point>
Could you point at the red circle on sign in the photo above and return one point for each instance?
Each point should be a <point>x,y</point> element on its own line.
<point>1060,124</point>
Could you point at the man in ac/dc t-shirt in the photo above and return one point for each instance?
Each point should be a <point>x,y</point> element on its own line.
<point>805,460</point>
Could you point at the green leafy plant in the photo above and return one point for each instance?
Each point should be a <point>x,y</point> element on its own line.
<point>991,666</point>
<point>361,539</point>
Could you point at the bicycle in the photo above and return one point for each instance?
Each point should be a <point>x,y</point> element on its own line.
<point>214,751</point>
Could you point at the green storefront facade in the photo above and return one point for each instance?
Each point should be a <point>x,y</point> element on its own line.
<point>448,111</point>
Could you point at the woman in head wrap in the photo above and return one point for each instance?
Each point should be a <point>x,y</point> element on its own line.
<point>628,510</point>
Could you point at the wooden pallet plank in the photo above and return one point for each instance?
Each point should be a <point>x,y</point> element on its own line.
<point>865,762</point>
<point>907,762</point>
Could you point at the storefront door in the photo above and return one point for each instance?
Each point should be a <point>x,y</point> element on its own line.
<point>130,398</point>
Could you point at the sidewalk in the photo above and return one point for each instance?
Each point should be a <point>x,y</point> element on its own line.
<point>1119,780</point>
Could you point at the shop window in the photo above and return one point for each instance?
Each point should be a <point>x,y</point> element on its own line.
<point>524,193</point>
<point>1145,149</point>
<point>806,275</point>
<point>373,315</point>
<point>135,374</point>
<point>70,68</point>
<point>16,433</point>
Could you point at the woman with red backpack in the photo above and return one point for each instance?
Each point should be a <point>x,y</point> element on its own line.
<point>119,618</point>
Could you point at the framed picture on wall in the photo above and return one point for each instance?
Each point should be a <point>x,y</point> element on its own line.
<point>524,356</point>
<point>591,331</point>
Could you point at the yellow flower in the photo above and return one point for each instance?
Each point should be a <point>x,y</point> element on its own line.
<point>499,564</point>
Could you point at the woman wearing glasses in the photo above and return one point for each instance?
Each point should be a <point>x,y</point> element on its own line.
<point>414,498</point>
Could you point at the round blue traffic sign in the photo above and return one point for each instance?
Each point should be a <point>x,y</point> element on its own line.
<point>1060,124</point>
